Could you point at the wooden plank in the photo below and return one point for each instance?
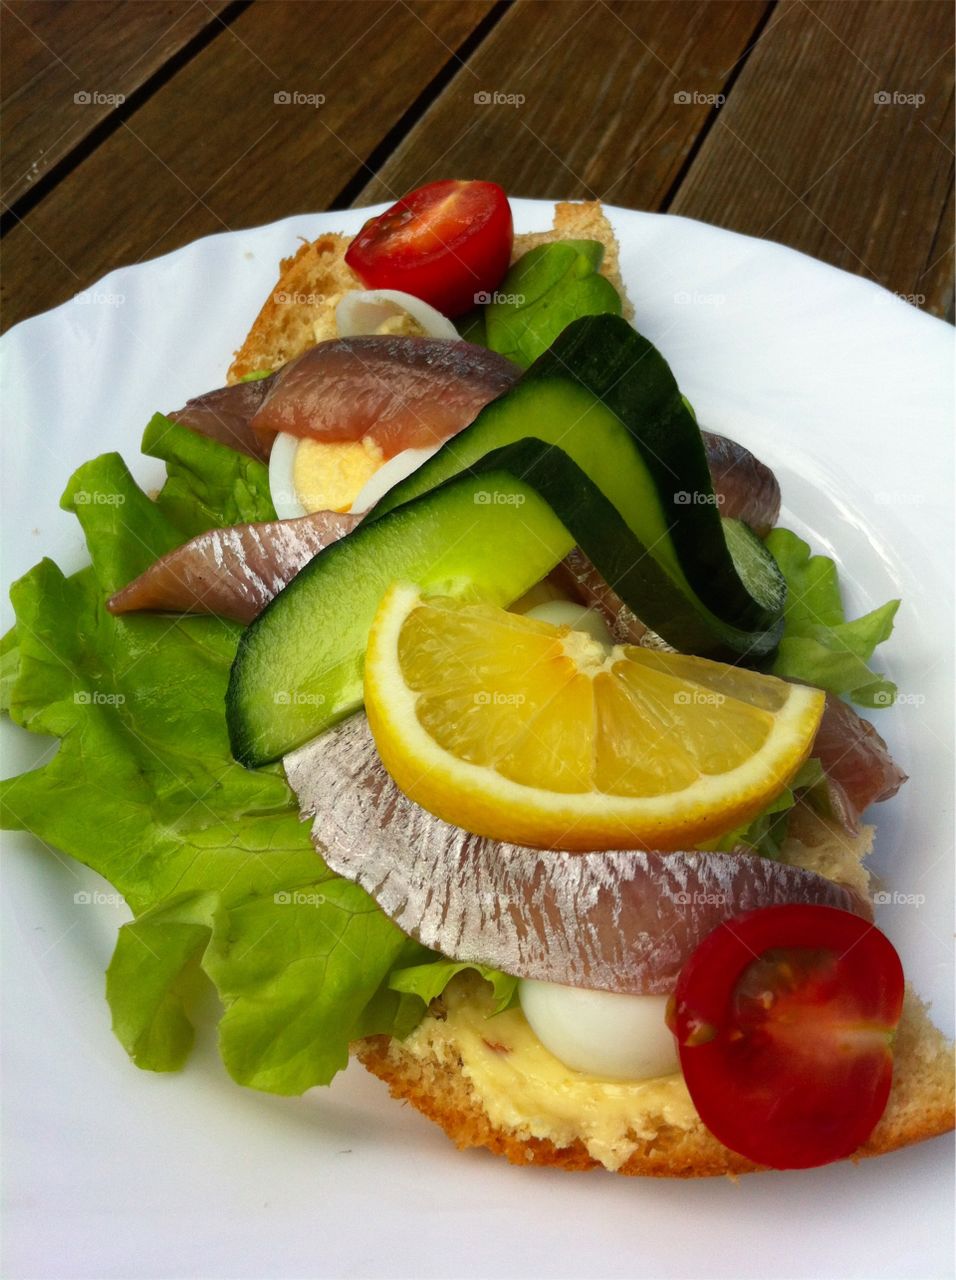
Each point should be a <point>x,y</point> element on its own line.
<point>275,116</point>
<point>66,67</point>
<point>837,140</point>
<point>935,282</point>
<point>579,99</point>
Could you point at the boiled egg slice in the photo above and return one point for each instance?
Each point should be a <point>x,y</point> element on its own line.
<point>390,311</point>
<point>308,475</point>
<point>317,475</point>
<point>567,613</point>
<point>601,1033</point>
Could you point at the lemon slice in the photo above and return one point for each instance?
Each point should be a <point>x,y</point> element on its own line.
<point>519,730</point>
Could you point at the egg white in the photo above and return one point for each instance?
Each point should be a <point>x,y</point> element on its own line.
<point>601,1033</point>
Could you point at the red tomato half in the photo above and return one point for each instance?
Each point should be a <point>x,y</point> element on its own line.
<point>784,1019</point>
<point>446,243</point>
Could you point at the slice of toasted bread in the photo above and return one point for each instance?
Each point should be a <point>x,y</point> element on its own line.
<point>430,1071</point>
<point>300,310</point>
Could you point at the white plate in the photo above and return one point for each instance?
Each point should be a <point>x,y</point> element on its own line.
<point>110,1171</point>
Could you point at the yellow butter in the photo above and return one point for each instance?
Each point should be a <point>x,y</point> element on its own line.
<point>524,1087</point>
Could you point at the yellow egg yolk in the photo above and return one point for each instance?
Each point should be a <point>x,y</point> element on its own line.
<point>328,475</point>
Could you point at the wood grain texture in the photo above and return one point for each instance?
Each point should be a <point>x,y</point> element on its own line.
<point>275,116</point>
<point>572,98</point>
<point>62,67</point>
<point>837,140</point>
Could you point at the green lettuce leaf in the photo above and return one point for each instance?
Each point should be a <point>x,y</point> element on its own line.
<point>9,667</point>
<point>429,980</point>
<point>208,484</point>
<point>542,293</point>
<point>211,857</point>
<point>766,832</point>
<point>300,973</point>
<point>819,646</point>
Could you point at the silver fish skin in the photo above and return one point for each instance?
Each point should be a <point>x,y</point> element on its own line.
<point>619,921</point>
<point>232,572</point>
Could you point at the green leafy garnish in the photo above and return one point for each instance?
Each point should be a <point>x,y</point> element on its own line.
<point>819,646</point>
<point>543,292</point>
<point>211,857</point>
<point>429,980</point>
<point>766,833</point>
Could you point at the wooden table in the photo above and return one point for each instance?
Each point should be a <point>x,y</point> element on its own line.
<point>132,128</point>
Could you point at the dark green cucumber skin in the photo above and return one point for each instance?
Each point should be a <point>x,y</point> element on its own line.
<point>508,505</point>
<point>608,360</point>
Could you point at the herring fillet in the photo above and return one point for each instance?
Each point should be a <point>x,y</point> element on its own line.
<point>746,488</point>
<point>621,921</point>
<point>859,768</point>
<point>232,572</point>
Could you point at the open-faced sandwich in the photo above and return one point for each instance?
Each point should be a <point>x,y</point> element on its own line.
<point>459,580</point>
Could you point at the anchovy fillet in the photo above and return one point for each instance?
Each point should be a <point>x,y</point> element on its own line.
<point>618,921</point>
<point>233,572</point>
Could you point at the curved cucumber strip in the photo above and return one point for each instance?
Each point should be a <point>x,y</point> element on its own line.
<point>491,532</point>
<point>607,398</point>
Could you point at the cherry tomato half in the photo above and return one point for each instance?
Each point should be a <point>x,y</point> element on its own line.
<point>446,243</point>
<point>784,1019</point>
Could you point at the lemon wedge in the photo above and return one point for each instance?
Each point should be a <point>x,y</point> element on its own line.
<point>519,730</point>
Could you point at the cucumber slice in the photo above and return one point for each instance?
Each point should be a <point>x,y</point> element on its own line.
<point>299,665</point>
<point>607,397</point>
<point>491,532</point>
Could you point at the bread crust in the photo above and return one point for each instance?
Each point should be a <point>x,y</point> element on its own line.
<point>920,1107</point>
